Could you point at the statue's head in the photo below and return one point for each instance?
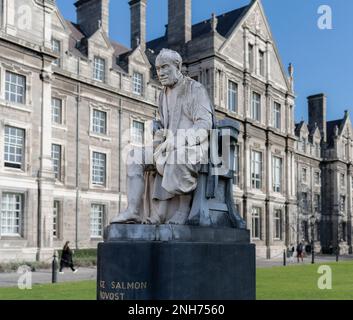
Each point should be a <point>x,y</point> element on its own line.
<point>168,65</point>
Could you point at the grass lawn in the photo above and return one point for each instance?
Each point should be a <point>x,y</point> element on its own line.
<point>83,290</point>
<point>277,283</point>
<point>301,282</point>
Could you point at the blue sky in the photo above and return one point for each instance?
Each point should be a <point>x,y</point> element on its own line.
<point>323,59</point>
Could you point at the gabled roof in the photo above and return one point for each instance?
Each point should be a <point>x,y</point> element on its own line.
<point>123,60</point>
<point>298,128</point>
<point>75,29</point>
<point>313,128</point>
<point>77,44</point>
<point>75,38</point>
<point>247,13</point>
<point>62,20</point>
<point>157,44</point>
<point>226,23</point>
<point>118,48</point>
<point>331,125</point>
<point>119,51</point>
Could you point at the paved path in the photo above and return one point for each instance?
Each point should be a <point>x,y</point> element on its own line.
<point>263,263</point>
<point>44,276</point>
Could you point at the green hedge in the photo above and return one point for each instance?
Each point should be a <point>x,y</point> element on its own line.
<point>13,266</point>
<point>83,257</point>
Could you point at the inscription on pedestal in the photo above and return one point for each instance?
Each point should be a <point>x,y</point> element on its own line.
<point>118,290</point>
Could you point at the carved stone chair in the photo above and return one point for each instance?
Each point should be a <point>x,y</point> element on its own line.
<point>213,203</point>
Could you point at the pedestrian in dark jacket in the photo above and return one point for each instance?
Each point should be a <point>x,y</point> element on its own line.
<point>300,248</point>
<point>66,258</point>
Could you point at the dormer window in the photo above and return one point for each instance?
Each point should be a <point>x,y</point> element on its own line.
<point>137,83</point>
<point>99,69</point>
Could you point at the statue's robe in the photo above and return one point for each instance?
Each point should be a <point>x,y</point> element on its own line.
<point>185,106</point>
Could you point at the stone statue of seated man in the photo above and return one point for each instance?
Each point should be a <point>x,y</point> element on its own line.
<point>160,191</point>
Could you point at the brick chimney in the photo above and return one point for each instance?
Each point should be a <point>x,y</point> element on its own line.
<point>179,22</point>
<point>317,113</point>
<point>92,14</point>
<point>138,23</point>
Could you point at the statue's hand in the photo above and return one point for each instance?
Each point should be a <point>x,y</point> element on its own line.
<point>166,144</point>
<point>169,143</point>
<point>196,138</point>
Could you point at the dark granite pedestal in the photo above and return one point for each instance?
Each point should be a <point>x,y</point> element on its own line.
<point>139,262</point>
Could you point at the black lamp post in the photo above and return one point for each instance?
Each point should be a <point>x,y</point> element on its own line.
<point>338,245</point>
<point>312,221</point>
<point>340,214</point>
<point>336,217</point>
<point>54,265</point>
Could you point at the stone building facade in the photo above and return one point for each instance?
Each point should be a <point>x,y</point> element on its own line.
<point>324,159</point>
<point>71,99</point>
<point>308,160</point>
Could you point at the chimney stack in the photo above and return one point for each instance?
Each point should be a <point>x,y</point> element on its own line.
<point>138,23</point>
<point>179,22</point>
<point>317,113</point>
<point>92,15</point>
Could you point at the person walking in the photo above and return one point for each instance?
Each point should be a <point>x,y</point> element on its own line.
<point>66,259</point>
<point>300,251</point>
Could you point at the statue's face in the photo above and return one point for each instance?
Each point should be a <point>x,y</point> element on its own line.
<point>167,72</point>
